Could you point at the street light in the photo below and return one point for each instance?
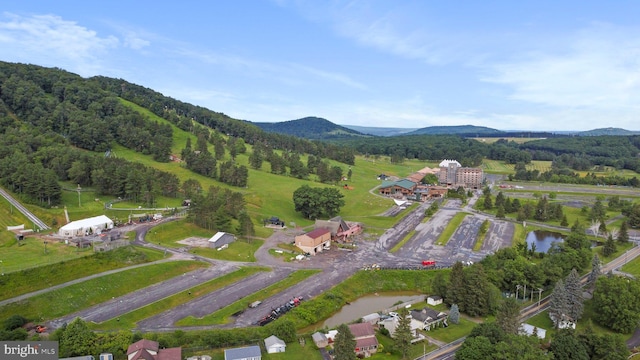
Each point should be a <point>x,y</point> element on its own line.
<point>517,288</point>
<point>79,188</point>
<point>45,247</point>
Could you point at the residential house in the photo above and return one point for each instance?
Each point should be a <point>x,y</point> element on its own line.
<point>434,300</point>
<point>403,187</point>
<point>391,323</point>
<point>320,339</point>
<point>220,239</point>
<point>428,318</point>
<point>365,336</point>
<point>314,241</point>
<point>340,229</point>
<point>149,350</point>
<point>273,344</point>
<point>243,353</point>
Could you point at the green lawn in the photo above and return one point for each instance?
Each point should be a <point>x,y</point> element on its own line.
<point>453,224</point>
<point>453,331</point>
<point>223,316</point>
<point>295,351</point>
<point>632,267</point>
<point>130,319</point>
<point>239,250</point>
<point>80,296</point>
<point>86,263</point>
<point>387,350</point>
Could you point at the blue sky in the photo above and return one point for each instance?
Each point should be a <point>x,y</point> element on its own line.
<point>511,65</point>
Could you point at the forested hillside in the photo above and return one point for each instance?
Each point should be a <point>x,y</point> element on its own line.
<point>313,128</point>
<point>57,126</point>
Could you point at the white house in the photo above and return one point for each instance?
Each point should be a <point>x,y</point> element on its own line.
<point>274,345</point>
<point>372,318</point>
<point>434,300</point>
<point>88,226</point>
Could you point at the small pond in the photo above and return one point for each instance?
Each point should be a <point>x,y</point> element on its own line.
<point>543,239</point>
<point>367,305</point>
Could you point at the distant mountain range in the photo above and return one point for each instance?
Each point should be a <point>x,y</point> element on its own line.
<point>312,128</point>
<point>316,128</point>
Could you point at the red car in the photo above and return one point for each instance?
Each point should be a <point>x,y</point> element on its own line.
<point>428,263</point>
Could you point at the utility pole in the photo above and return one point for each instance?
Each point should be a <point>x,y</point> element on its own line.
<point>517,288</point>
<point>539,296</point>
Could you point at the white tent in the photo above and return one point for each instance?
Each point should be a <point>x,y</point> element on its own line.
<point>93,225</point>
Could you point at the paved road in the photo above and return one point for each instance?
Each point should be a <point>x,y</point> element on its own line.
<point>36,221</point>
<point>150,294</point>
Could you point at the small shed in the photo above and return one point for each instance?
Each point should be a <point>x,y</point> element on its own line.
<point>371,318</point>
<point>320,340</point>
<point>220,239</point>
<point>434,300</point>
<point>274,345</point>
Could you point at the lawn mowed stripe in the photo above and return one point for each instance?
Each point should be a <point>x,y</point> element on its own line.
<point>223,315</point>
<point>455,222</point>
<point>130,319</point>
<point>70,299</point>
<point>19,283</point>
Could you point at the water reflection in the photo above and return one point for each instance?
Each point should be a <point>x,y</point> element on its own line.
<point>542,240</point>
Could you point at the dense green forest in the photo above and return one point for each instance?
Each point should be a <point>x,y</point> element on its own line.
<point>313,128</point>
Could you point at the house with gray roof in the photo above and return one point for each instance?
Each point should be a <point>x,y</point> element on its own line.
<point>428,318</point>
<point>243,353</point>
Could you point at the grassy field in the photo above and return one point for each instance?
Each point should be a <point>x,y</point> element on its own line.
<point>223,315</point>
<point>500,167</point>
<point>453,331</point>
<point>87,263</point>
<point>403,241</point>
<point>453,224</point>
<point>491,140</point>
<point>632,267</point>
<point>388,351</point>
<point>130,319</point>
<point>67,300</point>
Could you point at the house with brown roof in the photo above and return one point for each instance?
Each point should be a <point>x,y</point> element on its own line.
<point>340,229</point>
<point>149,350</point>
<point>402,187</point>
<point>365,336</point>
<point>314,241</point>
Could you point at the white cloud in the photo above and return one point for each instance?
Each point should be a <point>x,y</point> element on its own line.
<point>53,41</point>
<point>599,69</point>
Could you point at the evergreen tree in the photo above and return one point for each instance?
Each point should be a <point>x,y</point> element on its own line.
<point>508,316</point>
<point>597,211</point>
<point>558,303</point>
<point>499,199</point>
<point>595,271</point>
<point>402,336</point>
<point>344,344</point>
<point>574,295</point>
<point>500,212</point>
<point>564,221</point>
<point>623,235</point>
<point>456,286</point>
<point>439,285</point>
<point>488,205</point>
<point>609,247</point>
<point>454,314</point>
